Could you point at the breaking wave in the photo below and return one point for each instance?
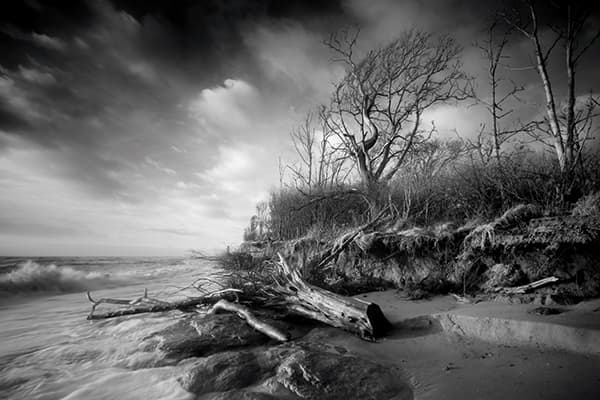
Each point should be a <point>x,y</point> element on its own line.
<point>33,278</point>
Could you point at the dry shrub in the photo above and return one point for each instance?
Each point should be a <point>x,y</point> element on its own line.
<point>295,214</point>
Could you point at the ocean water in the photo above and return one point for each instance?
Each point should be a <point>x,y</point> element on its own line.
<point>48,350</point>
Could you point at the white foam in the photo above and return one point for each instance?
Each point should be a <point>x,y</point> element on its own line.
<point>31,277</point>
<point>49,351</point>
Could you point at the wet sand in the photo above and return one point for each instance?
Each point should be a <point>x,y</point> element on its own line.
<point>442,365</point>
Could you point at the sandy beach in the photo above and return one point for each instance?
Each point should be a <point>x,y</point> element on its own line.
<point>441,365</point>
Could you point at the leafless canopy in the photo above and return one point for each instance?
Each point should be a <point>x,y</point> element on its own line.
<point>376,110</point>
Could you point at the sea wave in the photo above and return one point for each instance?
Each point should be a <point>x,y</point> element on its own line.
<point>30,277</point>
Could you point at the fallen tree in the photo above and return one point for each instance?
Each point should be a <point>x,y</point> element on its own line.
<point>287,292</point>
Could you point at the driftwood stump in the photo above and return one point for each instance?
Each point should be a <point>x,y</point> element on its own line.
<point>353,315</point>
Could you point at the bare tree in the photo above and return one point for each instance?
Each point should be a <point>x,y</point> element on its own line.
<point>303,140</point>
<point>376,110</point>
<point>320,164</point>
<point>567,127</point>
<point>502,91</point>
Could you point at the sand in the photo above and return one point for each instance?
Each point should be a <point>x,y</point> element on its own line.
<point>445,365</point>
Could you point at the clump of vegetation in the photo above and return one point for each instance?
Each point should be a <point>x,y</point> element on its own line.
<point>587,205</point>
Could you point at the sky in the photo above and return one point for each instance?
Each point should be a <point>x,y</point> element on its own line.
<point>154,127</point>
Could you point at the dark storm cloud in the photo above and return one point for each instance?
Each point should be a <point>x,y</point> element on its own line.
<point>76,74</point>
<point>187,15</point>
<point>12,121</point>
<point>76,71</point>
<point>206,38</point>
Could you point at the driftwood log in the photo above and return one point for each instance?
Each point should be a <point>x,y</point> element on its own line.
<point>298,297</point>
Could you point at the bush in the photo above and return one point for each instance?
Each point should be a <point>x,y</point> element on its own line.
<point>462,191</point>
<point>469,190</point>
<point>293,213</point>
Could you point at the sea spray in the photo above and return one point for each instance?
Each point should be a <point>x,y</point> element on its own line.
<point>30,277</point>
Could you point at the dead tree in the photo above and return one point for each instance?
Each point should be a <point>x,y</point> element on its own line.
<point>376,110</point>
<point>304,140</point>
<point>501,91</point>
<point>567,124</point>
<point>320,164</point>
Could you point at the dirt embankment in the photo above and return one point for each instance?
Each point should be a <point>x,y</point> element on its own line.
<point>519,247</point>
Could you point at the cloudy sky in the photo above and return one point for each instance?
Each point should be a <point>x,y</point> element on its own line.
<point>153,127</point>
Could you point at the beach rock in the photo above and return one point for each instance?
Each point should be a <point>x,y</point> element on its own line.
<point>230,370</point>
<point>317,375</point>
<point>299,369</point>
<point>200,336</point>
<point>242,395</point>
<point>546,311</point>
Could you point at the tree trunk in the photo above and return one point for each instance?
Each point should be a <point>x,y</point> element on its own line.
<point>557,137</point>
<point>366,175</point>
